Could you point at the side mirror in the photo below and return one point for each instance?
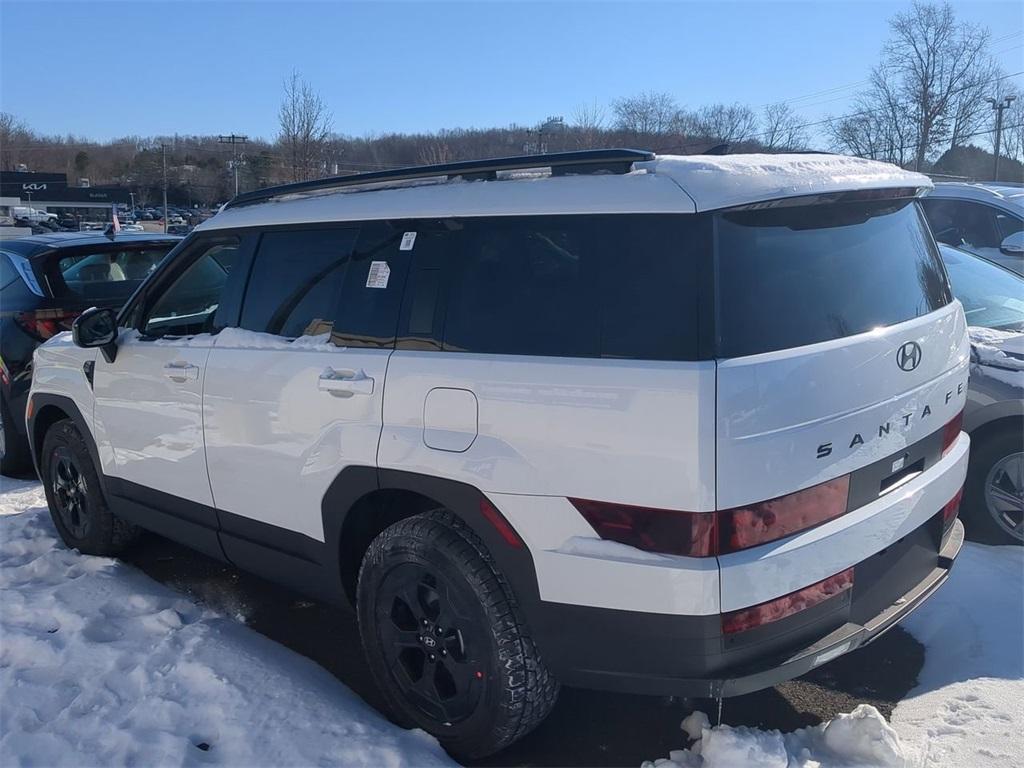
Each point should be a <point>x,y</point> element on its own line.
<point>97,328</point>
<point>1013,245</point>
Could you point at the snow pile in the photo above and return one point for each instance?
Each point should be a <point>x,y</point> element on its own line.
<point>968,707</point>
<point>99,665</point>
<point>966,712</point>
<point>861,738</point>
<point>1001,348</point>
<point>588,546</point>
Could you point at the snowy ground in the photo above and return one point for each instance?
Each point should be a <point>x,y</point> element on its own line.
<point>967,710</point>
<point>99,665</point>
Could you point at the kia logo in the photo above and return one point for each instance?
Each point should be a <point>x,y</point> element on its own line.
<point>33,187</point>
<point>429,641</point>
<point>908,357</point>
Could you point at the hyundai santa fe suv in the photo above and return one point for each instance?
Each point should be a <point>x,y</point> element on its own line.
<point>666,425</point>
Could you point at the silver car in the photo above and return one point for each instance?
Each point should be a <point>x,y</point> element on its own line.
<point>993,300</point>
<point>985,219</point>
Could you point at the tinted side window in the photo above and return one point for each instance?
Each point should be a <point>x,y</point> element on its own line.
<point>961,223</point>
<point>578,286</point>
<point>1007,224</point>
<point>652,272</point>
<point>525,287</point>
<point>189,304</point>
<point>372,291</point>
<point>788,277</point>
<point>296,281</point>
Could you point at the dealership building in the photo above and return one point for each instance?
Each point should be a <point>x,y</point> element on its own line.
<point>51,192</point>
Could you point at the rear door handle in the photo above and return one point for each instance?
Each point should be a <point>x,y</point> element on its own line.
<point>181,372</point>
<point>345,383</point>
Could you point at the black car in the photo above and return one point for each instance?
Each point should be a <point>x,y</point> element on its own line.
<point>46,280</point>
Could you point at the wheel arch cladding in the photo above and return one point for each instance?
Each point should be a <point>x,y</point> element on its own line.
<point>363,501</point>
<point>47,410</point>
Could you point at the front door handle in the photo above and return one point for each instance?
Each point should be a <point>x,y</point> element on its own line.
<point>345,383</point>
<point>181,372</point>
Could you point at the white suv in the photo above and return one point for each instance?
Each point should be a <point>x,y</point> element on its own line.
<point>670,425</point>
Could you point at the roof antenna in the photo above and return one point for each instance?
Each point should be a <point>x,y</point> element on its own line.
<point>718,149</point>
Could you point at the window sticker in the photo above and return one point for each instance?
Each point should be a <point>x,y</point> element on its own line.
<point>408,241</point>
<point>380,271</point>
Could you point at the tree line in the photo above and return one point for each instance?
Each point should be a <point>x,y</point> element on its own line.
<point>923,104</point>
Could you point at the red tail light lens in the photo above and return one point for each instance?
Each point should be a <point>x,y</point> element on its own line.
<point>745,527</point>
<point>669,531</point>
<point>46,323</point>
<point>952,509</point>
<point>951,432</point>
<point>780,608</point>
<point>706,534</point>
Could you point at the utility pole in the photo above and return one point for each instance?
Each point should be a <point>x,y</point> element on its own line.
<point>999,106</point>
<point>234,141</point>
<point>163,152</point>
<point>132,196</point>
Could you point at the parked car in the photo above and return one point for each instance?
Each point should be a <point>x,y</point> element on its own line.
<point>179,229</point>
<point>132,227</point>
<point>32,214</point>
<point>667,425</point>
<point>985,219</point>
<point>45,281</point>
<point>993,300</point>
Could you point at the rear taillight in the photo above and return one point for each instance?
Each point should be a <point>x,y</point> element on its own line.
<point>745,527</point>
<point>951,510</point>
<point>951,432</point>
<point>46,323</point>
<point>781,607</point>
<point>654,530</point>
<point>706,534</point>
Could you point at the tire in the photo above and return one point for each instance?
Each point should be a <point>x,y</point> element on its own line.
<point>994,506</point>
<point>77,506</point>
<point>14,455</point>
<point>479,683</point>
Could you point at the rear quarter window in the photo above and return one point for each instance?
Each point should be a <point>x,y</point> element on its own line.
<point>616,286</point>
<point>788,277</point>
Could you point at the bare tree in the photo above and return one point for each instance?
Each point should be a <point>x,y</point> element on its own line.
<point>646,113</point>
<point>588,121</point>
<point>1013,124</point>
<point>13,136</point>
<point>934,59</point>
<point>782,128</point>
<point>305,125</point>
<point>730,123</point>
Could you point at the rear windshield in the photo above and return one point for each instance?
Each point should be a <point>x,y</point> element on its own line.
<point>105,275</point>
<point>788,277</point>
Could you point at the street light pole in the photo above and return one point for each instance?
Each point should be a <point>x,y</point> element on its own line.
<point>234,141</point>
<point>999,106</point>
<point>163,152</point>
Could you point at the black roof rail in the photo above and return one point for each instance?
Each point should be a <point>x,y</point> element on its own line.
<point>561,163</point>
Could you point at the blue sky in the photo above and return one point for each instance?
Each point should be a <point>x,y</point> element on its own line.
<point>109,69</point>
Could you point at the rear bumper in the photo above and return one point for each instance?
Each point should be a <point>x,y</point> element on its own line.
<point>689,656</point>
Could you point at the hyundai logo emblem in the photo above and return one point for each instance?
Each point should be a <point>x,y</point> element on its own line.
<point>908,357</point>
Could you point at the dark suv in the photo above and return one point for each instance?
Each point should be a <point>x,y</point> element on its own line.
<point>45,282</point>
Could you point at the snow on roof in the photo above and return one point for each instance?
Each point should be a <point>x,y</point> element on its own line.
<point>667,184</point>
<point>723,181</point>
